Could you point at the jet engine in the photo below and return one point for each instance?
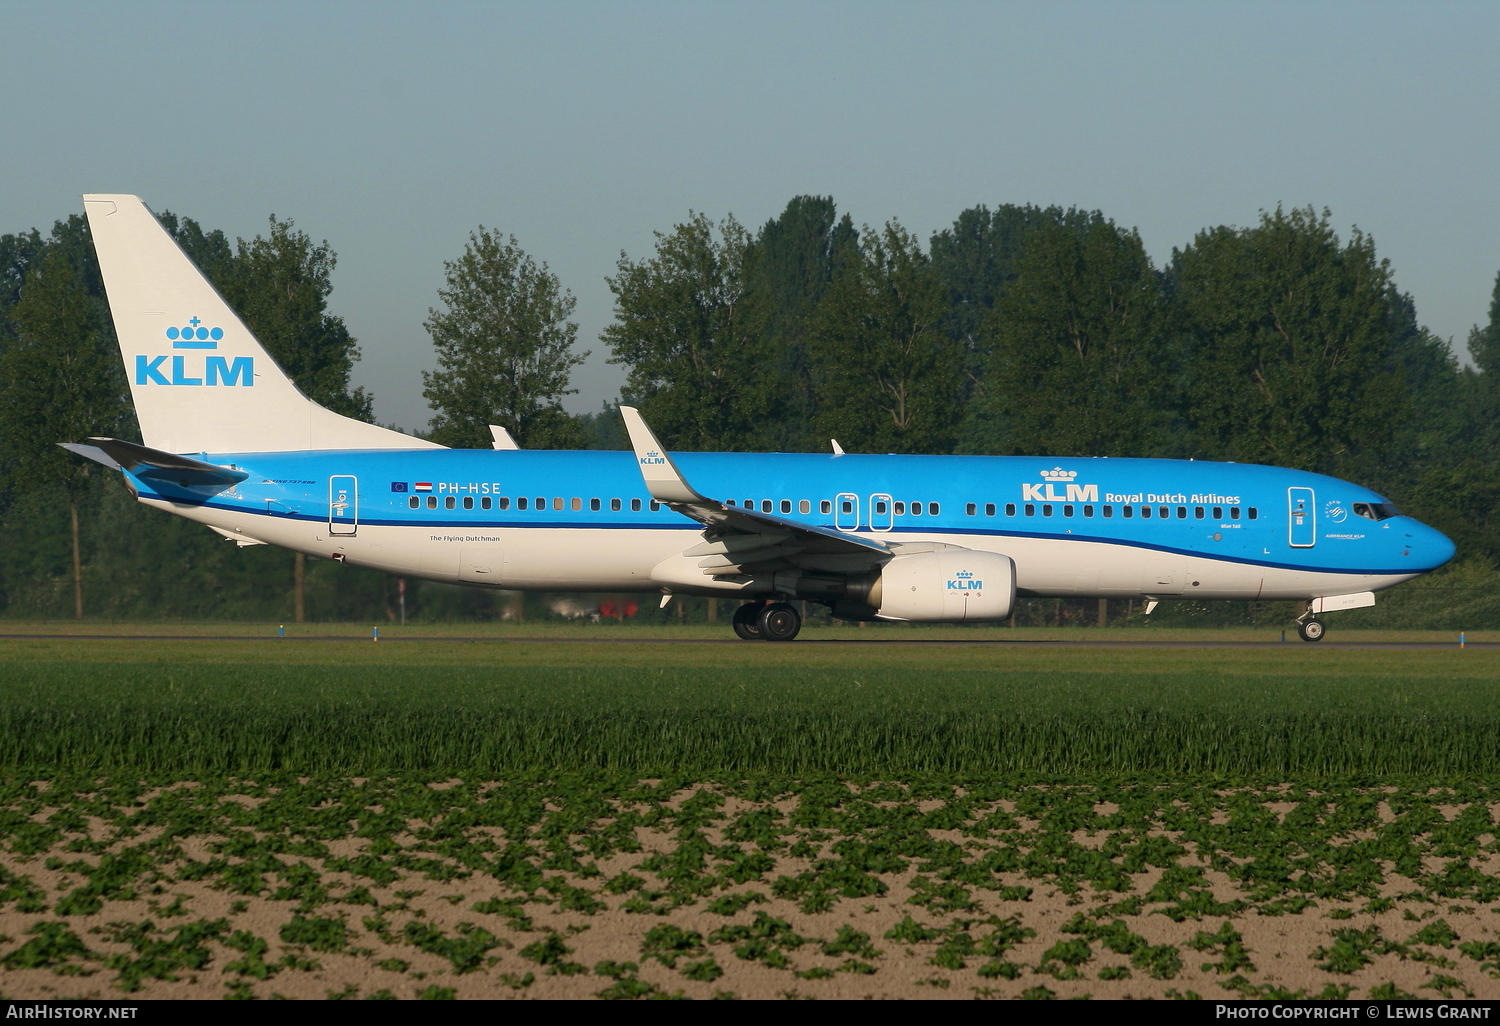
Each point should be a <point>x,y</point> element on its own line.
<point>949,585</point>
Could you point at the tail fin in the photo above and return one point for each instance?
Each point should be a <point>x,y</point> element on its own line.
<point>201,382</point>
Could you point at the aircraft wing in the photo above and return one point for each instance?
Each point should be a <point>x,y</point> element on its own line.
<point>738,539</point>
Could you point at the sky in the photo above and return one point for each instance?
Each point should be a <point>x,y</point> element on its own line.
<point>393,130</point>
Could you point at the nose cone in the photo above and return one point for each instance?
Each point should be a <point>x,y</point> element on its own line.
<point>1428,547</point>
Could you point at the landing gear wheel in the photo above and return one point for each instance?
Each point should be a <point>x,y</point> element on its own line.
<point>1310,630</point>
<point>747,621</point>
<point>779,622</point>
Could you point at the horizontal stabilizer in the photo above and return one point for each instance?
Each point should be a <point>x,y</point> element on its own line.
<point>92,452</point>
<point>162,468</point>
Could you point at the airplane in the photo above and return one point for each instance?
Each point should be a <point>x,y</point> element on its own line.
<point>230,442</point>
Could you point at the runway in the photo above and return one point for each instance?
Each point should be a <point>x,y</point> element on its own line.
<point>1292,642</point>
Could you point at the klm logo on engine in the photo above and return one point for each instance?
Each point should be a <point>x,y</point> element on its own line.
<point>652,458</point>
<point>213,370</point>
<point>1047,490</point>
<point>965,581</point>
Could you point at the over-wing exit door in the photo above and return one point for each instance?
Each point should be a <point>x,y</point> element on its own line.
<point>1302,527</point>
<point>343,504</point>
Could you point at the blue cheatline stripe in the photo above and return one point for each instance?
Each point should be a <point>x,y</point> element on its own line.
<point>688,525</point>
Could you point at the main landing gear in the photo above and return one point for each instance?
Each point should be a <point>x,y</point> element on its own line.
<point>767,621</point>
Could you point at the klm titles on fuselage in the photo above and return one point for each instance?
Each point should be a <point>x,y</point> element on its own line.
<point>214,370</point>
<point>1073,492</point>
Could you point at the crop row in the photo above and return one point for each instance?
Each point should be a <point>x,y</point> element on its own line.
<point>190,720</point>
<point>610,885</point>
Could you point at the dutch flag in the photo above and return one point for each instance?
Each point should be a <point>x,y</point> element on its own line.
<point>424,486</point>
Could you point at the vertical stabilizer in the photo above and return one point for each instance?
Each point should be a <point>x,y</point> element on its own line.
<point>201,382</point>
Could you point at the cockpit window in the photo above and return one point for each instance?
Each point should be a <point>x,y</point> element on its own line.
<point>1376,510</point>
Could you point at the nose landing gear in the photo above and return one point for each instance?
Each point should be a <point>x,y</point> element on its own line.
<point>761,621</point>
<point>1310,630</point>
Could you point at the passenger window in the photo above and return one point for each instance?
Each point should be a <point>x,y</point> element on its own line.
<point>1088,511</point>
<point>1218,512</point>
<point>635,505</point>
<point>557,502</point>
<point>1010,509</point>
<point>468,502</point>
<point>655,505</point>
<point>522,502</point>
<point>916,509</point>
<point>505,502</point>
<point>1253,513</point>
<point>614,505</point>
<point>1181,512</point>
<point>847,506</point>
<point>432,502</point>
<point>749,504</point>
<point>880,507</point>
<point>541,502</point>
<point>786,505</point>
<point>1164,512</point>
<point>1129,511</point>
<point>1030,510</point>
<point>900,509</point>
<point>449,502</point>
<point>577,504</point>
<point>1067,511</point>
<point>989,509</point>
<point>971,509</point>
<point>1109,512</point>
<point>765,505</point>
<point>932,509</point>
<point>804,506</point>
<point>1046,509</point>
<point>593,505</point>
<point>486,502</point>
<point>414,502</point>
<point>825,507</point>
<point>1198,512</point>
<point>1234,512</point>
<point>1146,512</point>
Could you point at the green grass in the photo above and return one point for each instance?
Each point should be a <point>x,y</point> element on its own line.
<point>176,708</point>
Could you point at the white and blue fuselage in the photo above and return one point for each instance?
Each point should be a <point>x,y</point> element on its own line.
<point>585,521</point>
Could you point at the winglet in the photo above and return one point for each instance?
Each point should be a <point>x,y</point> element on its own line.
<point>663,480</point>
<point>502,438</point>
<point>838,450</point>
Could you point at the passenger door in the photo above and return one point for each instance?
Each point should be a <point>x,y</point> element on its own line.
<point>1302,527</point>
<point>343,505</point>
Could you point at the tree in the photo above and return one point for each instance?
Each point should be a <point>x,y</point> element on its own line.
<point>505,349</point>
<point>976,260</point>
<point>279,286</point>
<point>1291,353</point>
<point>1078,354</point>
<point>887,377</point>
<point>691,335</point>
<point>62,377</point>
<point>788,268</point>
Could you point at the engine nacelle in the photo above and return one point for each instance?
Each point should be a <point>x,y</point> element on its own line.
<point>949,585</point>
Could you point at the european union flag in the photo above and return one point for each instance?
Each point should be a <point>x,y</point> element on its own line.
<point>398,486</point>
